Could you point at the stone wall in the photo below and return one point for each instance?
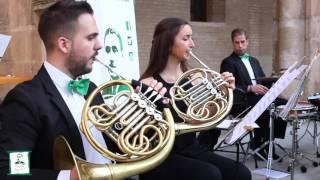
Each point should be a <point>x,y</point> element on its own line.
<point>212,38</point>
<point>25,51</point>
<point>259,17</point>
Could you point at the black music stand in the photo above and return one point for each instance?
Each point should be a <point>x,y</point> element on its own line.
<point>239,144</point>
<point>238,110</point>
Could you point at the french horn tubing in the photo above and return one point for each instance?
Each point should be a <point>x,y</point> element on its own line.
<point>143,134</point>
<point>206,95</point>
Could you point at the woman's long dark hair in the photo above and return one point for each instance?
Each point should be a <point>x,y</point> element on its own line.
<point>163,40</point>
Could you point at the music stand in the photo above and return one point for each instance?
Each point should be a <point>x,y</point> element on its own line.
<point>4,42</point>
<point>283,82</point>
<point>290,105</point>
<point>271,142</point>
<point>238,143</point>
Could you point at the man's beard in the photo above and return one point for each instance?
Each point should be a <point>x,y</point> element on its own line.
<point>77,65</point>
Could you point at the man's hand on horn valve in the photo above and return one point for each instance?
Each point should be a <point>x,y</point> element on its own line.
<point>229,78</point>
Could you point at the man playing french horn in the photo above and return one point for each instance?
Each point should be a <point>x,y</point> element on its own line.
<point>35,112</point>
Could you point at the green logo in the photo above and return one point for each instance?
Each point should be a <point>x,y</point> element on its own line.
<point>19,162</point>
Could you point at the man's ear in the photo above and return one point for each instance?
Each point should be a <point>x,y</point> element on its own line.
<point>64,44</point>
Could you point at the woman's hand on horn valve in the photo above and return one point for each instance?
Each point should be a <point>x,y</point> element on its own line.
<point>229,78</point>
<point>157,86</point>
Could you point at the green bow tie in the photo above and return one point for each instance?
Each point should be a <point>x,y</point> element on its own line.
<point>245,56</point>
<point>80,86</point>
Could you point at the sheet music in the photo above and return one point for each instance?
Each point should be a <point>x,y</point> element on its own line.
<point>264,102</point>
<point>4,42</point>
<point>226,123</point>
<point>298,91</point>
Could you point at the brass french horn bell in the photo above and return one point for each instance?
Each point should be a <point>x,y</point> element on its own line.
<point>143,134</point>
<point>205,94</point>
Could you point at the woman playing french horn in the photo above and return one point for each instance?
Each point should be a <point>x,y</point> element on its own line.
<point>171,48</point>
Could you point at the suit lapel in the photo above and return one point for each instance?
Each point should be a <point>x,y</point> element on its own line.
<point>254,67</point>
<point>242,68</point>
<point>56,98</point>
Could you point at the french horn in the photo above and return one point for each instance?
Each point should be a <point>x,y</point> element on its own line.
<point>206,96</point>
<point>143,134</point>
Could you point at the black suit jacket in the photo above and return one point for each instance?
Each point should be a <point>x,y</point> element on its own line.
<point>32,115</point>
<point>234,64</point>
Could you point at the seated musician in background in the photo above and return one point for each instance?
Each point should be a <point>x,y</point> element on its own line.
<point>170,51</point>
<point>246,69</point>
<point>35,112</point>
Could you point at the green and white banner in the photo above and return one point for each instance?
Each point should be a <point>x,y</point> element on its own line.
<point>117,27</point>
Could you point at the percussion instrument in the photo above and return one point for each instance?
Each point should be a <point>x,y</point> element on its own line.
<point>303,111</point>
<point>267,79</point>
<point>315,99</point>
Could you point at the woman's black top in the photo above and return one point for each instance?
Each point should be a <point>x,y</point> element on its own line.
<point>186,144</point>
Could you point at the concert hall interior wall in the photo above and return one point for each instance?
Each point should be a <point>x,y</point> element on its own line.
<point>280,32</point>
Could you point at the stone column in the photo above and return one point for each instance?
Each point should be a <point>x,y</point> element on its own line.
<point>289,36</point>
<point>291,31</point>
<point>313,44</point>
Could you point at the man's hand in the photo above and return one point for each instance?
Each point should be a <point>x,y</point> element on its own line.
<point>258,89</point>
<point>229,78</point>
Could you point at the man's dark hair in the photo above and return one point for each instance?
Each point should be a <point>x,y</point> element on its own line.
<point>238,31</point>
<point>60,19</point>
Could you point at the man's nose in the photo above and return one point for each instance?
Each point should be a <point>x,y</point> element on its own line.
<point>98,45</point>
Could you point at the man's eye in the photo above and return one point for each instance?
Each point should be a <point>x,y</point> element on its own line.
<point>114,49</point>
<point>108,49</point>
<point>92,37</point>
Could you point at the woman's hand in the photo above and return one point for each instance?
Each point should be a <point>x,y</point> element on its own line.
<point>229,78</point>
<point>157,86</point>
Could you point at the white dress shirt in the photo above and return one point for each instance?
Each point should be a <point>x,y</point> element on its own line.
<point>246,62</point>
<point>75,103</point>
